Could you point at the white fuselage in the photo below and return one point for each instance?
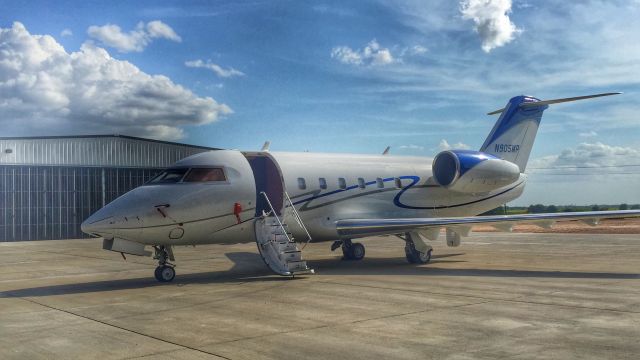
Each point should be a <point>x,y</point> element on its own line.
<point>324,188</point>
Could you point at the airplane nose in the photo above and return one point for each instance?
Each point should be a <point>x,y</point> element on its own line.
<point>99,224</point>
<point>123,215</point>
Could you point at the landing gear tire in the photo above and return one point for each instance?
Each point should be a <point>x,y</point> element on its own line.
<point>416,257</point>
<point>165,273</point>
<point>353,251</point>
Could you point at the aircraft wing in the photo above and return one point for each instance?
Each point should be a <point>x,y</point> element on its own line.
<point>430,227</point>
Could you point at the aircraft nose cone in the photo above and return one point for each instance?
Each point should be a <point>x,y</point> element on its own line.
<point>123,216</point>
<point>99,224</point>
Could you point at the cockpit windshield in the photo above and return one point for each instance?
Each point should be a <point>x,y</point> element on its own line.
<point>192,175</point>
<point>205,175</point>
<point>169,176</point>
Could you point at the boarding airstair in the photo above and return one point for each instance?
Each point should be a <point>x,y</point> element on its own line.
<point>276,243</point>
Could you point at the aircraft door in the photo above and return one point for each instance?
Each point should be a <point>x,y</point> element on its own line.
<point>268,180</point>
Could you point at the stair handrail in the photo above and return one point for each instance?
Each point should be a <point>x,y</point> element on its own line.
<point>296,215</point>
<point>273,211</point>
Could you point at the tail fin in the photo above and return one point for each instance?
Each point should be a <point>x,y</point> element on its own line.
<point>513,134</point>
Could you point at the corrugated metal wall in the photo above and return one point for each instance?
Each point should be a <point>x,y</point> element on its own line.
<point>50,202</point>
<point>48,186</point>
<point>107,151</point>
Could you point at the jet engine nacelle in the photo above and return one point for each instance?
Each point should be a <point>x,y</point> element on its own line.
<point>473,171</point>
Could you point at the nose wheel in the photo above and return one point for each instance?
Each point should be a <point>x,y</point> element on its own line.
<point>165,272</point>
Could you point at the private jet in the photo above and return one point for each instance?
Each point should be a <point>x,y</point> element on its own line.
<point>284,200</point>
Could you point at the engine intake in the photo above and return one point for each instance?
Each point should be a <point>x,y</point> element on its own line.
<point>473,171</point>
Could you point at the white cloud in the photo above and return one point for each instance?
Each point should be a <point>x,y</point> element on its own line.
<point>589,133</point>
<point>418,49</point>
<point>217,69</point>
<point>372,54</point>
<point>588,155</point>
<point>66,32</point>
<point>585,174</point>
<point>492,21</point>
<point>135,40</point>
<point>411,147</point>
<point>45,90</point>
<point>444,145</point>
<point>158,29</point>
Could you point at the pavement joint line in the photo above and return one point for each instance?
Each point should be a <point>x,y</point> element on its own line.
<point>485,298</point>
<point>165,352</point>
<point>125,329</point>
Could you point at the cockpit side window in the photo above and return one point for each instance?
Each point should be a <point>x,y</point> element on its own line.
<point>169,176</point>
<point>205,175</point>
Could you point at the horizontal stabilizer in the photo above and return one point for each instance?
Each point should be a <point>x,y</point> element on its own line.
<point>556,101</point>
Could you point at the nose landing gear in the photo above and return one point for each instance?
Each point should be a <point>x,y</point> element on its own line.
<point>165,271</point>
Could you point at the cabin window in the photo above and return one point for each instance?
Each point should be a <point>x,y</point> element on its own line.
<point>342,183</point>
<point>380,183</point>
<point>302,184</point>
<point>205,175</point>
<point>169,176</point>
<point>398,183</point>
<point>361,183</point>
<point>323,183</point>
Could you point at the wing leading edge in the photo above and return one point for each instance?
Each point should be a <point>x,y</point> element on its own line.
<point>369,227</point>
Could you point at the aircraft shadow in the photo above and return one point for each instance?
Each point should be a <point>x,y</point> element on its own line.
<point>248,267</point>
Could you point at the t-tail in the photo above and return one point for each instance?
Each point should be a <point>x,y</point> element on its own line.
<point>513,134</point>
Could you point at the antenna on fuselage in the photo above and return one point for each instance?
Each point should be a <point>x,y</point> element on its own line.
<point>266,145</point>
<point>386,151</point>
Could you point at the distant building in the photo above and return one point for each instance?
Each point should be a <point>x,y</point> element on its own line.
<point>49,185</point>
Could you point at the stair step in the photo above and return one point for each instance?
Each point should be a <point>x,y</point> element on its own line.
<point>297,266</point>
<point>291,256</point>
<point>287,247</point>
<point>280,237</point>
<point>278,231</point>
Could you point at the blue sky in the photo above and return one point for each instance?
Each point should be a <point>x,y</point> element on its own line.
<point>335,76</point>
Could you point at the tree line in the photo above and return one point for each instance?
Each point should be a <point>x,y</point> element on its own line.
<point>540,208</point>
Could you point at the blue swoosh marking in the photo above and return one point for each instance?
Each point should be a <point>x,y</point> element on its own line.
<point>342,190</point>
<point>396,200</point>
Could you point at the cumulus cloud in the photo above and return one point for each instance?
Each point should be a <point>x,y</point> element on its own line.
<point>217,69</point>
<point>135,40</point>
<point>492,23</point>
<point>585,154</point>
<point>372,54</point>
<point>444,145</point>
<point>46,90</point>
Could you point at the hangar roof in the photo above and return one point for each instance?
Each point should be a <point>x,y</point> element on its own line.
<point>94,150</point>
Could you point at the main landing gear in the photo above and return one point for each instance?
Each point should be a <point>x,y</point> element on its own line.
<point>350,250</point>
<point>165,272</point>
<point>415,249</point>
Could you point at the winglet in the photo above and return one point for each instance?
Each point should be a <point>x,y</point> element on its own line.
<point>386,151</point>
<point>266,145</point>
